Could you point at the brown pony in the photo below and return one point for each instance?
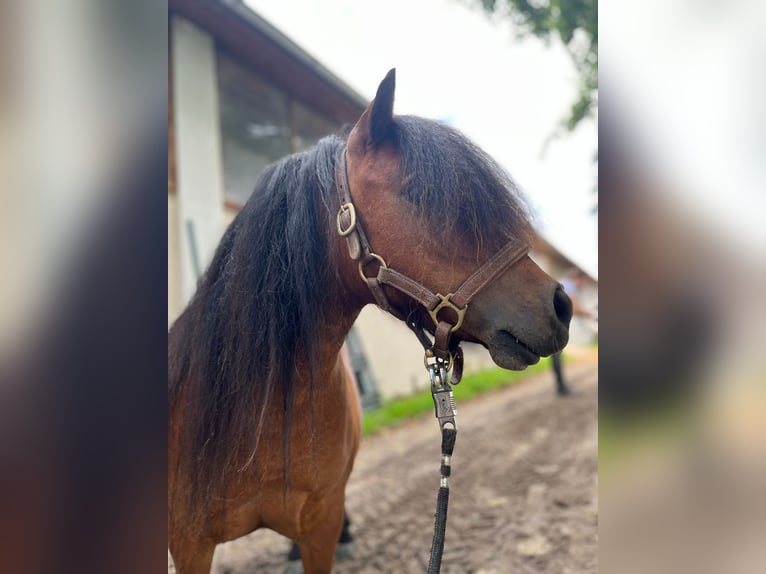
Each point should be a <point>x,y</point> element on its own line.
<point>264,418</point>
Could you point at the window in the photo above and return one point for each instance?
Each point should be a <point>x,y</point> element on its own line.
<point>259,125</point>
<point>310,127</point>
<point>255,127</point>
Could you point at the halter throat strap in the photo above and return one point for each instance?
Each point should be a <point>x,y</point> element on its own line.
<point>446,311</point>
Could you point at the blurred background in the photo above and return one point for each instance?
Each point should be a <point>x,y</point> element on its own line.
<point>91,93</point>
<point>683,268</point>
<point>83,330</point>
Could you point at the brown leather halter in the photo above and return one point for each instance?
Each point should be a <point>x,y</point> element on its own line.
<point>445,323</point>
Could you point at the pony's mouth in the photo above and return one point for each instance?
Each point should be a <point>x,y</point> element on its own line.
<point>509,352</point>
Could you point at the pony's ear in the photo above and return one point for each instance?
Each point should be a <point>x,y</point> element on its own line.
<point>376,125</point>
<point>382,115</point>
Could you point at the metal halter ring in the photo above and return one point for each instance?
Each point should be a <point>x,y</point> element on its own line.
<point>430,355</point>
<point>351,210</point>
<point>445,302</point>
<point>367,259</point>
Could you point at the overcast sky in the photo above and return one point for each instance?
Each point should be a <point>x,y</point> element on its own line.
<point>454,65</point>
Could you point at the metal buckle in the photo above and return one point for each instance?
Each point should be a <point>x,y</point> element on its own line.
<point>368,259</point>
<point>445,302</point>
<point>351,210</point>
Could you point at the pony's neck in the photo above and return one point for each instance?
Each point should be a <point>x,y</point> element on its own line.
<point>346,295</point>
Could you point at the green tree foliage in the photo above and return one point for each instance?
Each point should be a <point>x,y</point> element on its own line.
<point>575,22</point>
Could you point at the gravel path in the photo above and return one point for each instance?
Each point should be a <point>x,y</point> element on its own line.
<point>523,495</point>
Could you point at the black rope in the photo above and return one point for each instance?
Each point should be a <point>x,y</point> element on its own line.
<point>442,500</point>
<point>448,440</point>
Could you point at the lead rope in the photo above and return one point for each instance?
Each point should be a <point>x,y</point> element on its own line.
<point>445,411</point>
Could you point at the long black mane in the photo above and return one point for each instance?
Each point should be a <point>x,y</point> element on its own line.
<point>253,310</point>
<point>232,351</point>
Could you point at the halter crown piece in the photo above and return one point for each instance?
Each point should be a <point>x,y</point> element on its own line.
<point>446,322</point>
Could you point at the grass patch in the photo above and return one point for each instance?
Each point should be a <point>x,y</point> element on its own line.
<point>399,409</point>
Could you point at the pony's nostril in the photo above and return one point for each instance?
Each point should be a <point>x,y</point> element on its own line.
<point>562,304</point>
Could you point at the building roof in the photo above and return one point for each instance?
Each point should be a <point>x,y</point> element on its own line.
<point>246,36</point>
<point>542,245</point>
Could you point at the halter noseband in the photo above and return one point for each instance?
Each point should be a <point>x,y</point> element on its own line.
<point>360,250</point>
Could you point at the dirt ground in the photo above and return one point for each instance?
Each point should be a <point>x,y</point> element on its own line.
<point>523,494</point>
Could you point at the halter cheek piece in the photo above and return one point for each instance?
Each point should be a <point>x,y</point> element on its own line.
<point>446,311</point>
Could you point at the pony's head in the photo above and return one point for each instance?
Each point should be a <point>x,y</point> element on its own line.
<point>436,208</point>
